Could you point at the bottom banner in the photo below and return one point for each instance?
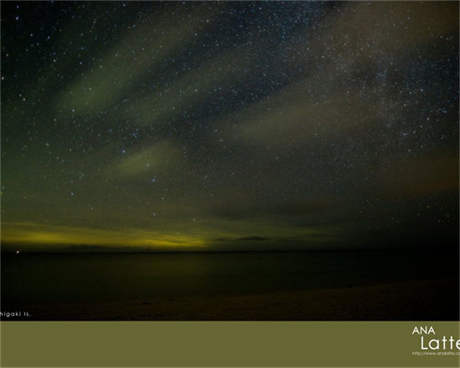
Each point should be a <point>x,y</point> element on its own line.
<point>283,344</point>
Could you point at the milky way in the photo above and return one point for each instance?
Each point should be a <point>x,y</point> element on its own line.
<point>229,126</point>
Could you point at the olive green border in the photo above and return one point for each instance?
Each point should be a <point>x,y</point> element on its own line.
<point>218,344</point>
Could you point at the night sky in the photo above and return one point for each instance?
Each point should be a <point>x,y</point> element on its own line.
<point>229,126</point>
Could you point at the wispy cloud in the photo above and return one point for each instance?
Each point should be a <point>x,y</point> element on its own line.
<point>414,177</point>
<point>348,65</point>
<point>143,48</point>
<point>192,88</point>
<point>158,157</point>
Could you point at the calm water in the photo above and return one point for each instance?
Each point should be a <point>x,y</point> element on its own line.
<point>114,277</point>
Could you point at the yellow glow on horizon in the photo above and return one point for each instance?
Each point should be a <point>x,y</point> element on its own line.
<point>30,233</point>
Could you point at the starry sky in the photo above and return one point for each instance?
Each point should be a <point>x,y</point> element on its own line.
<point>229,125</point>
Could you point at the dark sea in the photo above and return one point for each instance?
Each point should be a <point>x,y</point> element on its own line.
<point>80,278</point>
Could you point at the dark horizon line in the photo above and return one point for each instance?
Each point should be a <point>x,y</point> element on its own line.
<point>137,252</point>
